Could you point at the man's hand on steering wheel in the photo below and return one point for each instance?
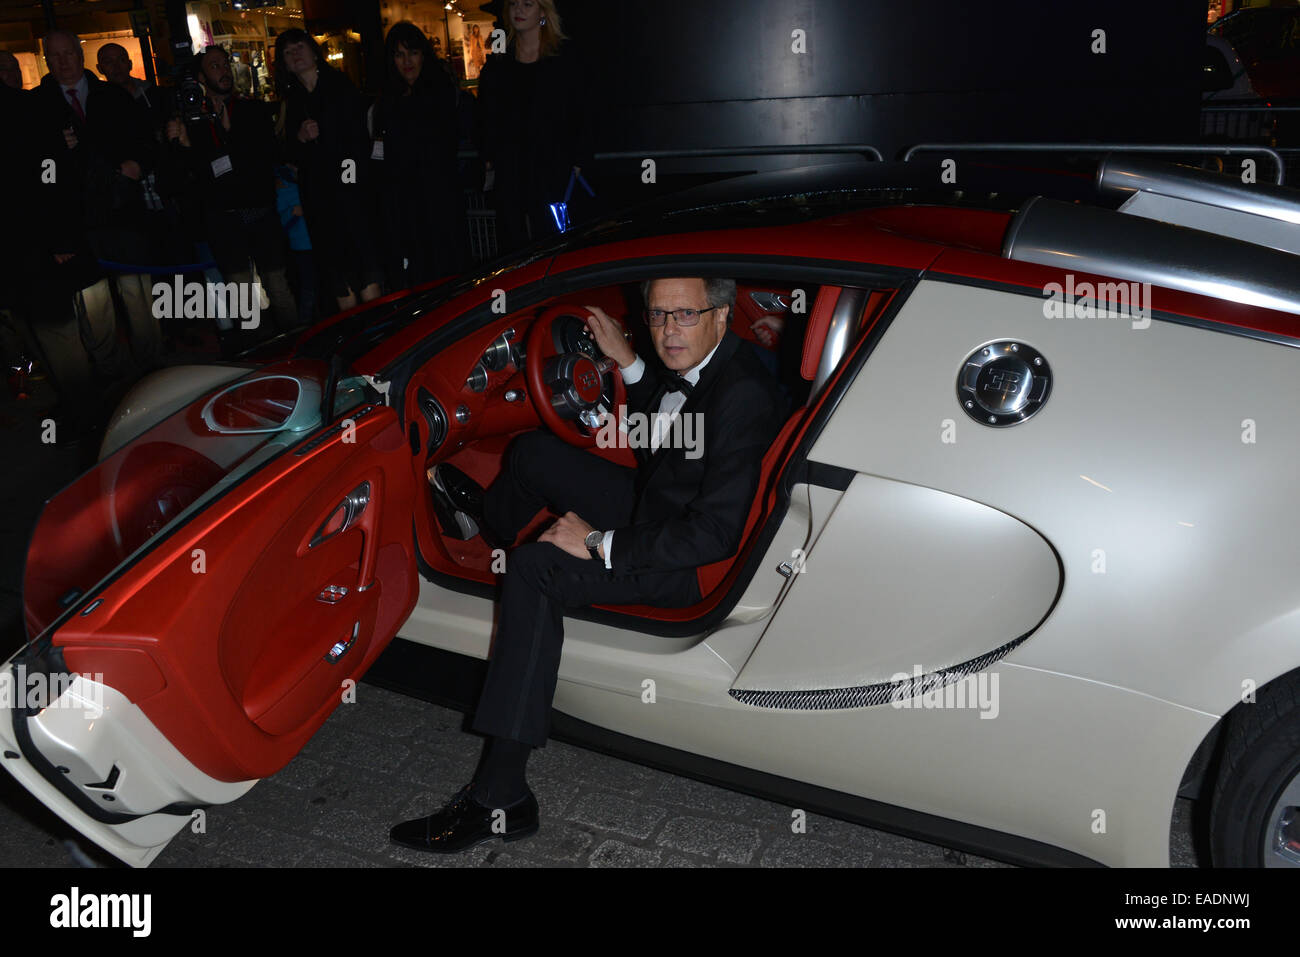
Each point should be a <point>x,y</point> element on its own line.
<point>569,533</point>
<point>610,337</point>
<point>571,382</point>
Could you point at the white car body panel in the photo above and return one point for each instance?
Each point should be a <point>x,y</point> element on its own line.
<point>92,728</point>
<point>903,577</point>
<point>1060,750</point>
<point>1148,474</point>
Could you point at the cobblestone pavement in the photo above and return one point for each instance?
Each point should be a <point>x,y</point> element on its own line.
<point>389,757</point>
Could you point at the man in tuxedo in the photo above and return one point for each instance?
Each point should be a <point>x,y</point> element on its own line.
<point>624,536</point>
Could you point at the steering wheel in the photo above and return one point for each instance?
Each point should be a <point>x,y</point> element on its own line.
<point>571,382</point>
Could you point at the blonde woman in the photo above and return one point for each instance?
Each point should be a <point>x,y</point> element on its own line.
<point>475,54</point>
<point>536,120</point>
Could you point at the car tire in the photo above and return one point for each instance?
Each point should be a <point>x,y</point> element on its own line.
<point>1257,792</point>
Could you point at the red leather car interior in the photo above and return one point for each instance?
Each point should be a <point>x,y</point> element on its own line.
<point>481,460</point>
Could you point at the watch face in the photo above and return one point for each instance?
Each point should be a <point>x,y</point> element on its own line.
<point>594,538</point>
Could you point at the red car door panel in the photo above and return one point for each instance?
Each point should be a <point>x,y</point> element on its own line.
<point>238,634</point>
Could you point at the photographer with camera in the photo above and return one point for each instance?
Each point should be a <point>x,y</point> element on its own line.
<point>227,146</point>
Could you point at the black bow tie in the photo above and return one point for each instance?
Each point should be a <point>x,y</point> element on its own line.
<point>673,382</point>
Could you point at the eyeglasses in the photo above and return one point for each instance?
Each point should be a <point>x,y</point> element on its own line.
<point>683,317</point>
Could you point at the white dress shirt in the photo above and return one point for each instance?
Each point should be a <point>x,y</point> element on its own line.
<point>669,406</point>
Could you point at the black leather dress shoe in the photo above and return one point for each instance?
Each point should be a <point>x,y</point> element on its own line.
<point>465,494</point>
<point>465,823</point>
<point>453,522</point>
<point>458,501</point>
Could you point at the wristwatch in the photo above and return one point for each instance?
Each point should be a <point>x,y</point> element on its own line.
<point>592,541</point>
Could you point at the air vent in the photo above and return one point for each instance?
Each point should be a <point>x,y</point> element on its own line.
<point>435,416</point>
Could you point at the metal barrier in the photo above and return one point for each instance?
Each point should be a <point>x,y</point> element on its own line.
<point>1243,122</point>
<point>482,224</point>
<point>864,149</point>
<point>1166,148</point>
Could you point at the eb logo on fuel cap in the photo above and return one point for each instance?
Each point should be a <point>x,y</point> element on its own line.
<point>1003,383</point>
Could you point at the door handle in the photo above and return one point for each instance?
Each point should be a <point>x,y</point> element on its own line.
<point>344,515</point>
<point>341,648</point>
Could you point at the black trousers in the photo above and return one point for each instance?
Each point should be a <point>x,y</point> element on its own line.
<point>541,580</point>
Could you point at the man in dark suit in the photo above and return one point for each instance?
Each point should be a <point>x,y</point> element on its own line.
<point>624,535</point>
<point>96,146</point>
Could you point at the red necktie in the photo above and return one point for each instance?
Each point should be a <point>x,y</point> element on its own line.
<point>76,104</point>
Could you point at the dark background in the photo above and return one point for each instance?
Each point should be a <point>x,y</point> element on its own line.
<point>680,74</point>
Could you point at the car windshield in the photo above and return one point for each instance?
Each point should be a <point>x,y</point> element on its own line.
<point>108,517</point>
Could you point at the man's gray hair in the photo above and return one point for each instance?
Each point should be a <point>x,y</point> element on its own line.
<point>719,292</point>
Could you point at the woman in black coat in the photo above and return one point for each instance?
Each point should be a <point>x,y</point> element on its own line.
<point>536,122</point>
<point>325,129</point>
<point>415,127</point>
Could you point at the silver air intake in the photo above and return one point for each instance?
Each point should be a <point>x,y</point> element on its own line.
<point>1086,239</point>
<point>1258,213</point>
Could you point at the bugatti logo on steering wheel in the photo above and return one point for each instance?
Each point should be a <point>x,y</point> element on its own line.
<point>1003,383</point>
<point>588,380</point>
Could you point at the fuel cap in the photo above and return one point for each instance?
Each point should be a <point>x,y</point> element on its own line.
<point>1003,383</point>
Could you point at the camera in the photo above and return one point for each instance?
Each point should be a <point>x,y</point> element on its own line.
<point>189,99</point>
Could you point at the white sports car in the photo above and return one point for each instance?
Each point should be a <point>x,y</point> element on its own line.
<point>1022,569</point>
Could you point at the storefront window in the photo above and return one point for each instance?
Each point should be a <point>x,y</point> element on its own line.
<point>459,32</point>
<point>33,62</point>
<point>246,28</point>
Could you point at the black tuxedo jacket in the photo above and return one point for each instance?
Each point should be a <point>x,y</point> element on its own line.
<point>692,511</point>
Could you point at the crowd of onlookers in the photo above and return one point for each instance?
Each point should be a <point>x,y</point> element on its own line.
<point>323,197</point>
